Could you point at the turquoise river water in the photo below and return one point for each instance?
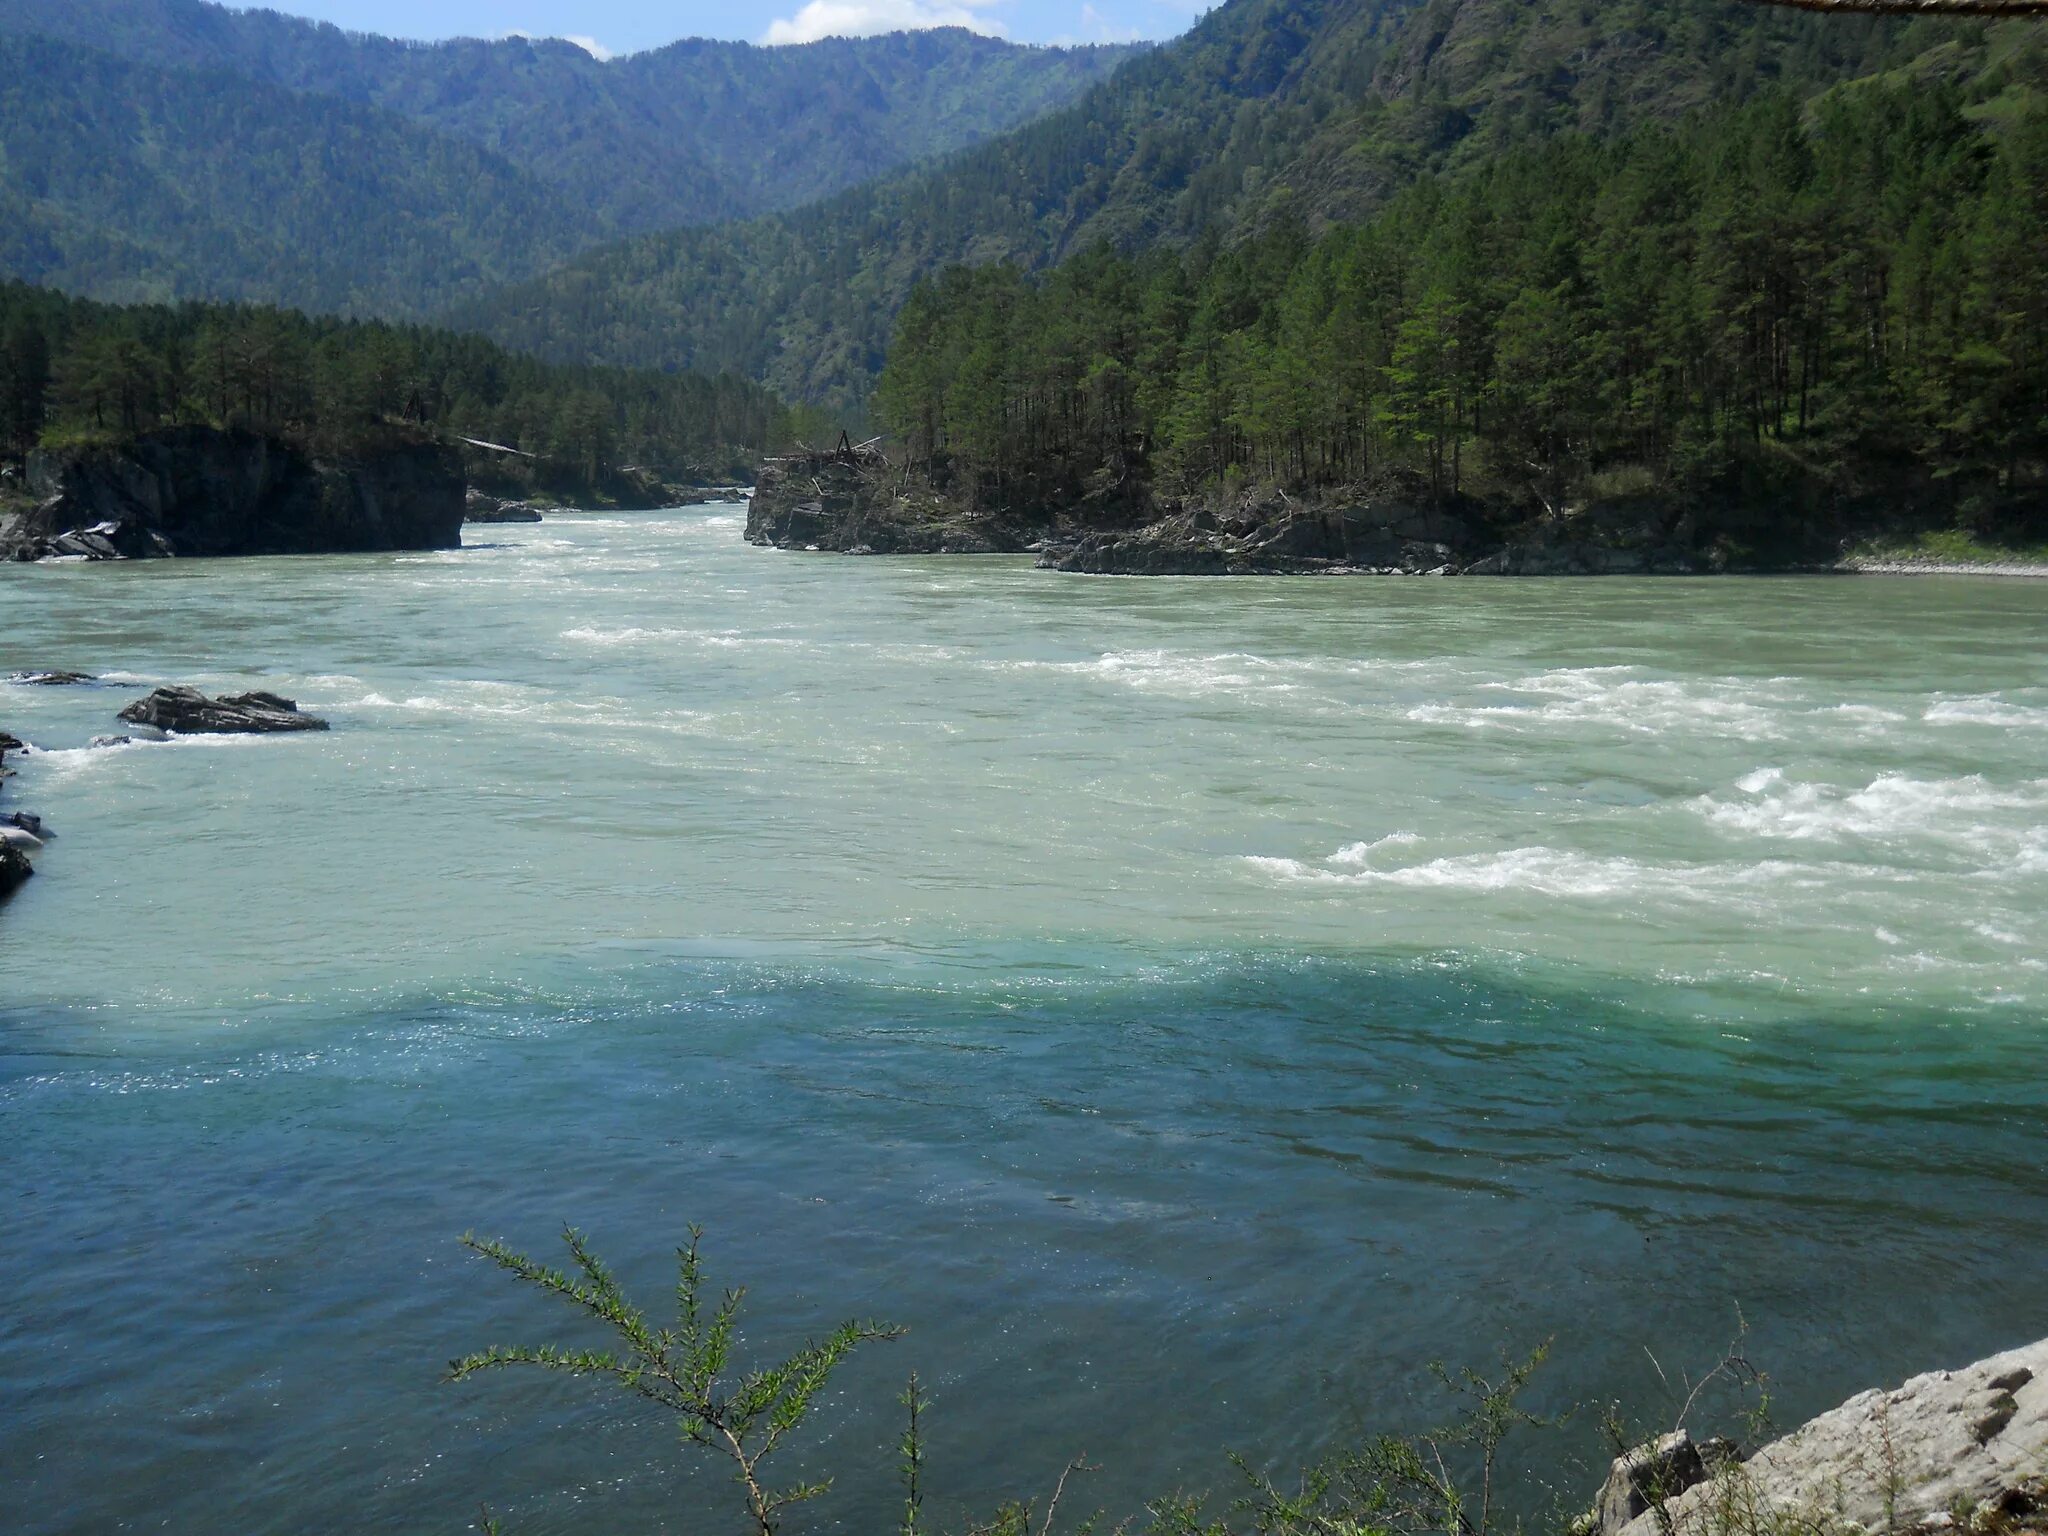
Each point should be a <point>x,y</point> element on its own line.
<point>1189,1006</point>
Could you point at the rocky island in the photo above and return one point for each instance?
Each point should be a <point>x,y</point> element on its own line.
<point>854,502</point>
<point>188,712</point>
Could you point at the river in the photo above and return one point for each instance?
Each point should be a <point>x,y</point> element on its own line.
<point>1190,1006</point>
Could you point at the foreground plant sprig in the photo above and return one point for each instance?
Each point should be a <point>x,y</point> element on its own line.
<point>683,1368</point>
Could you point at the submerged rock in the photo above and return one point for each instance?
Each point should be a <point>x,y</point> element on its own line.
<point>187,711</point>
<point>1962,1449</point>
<point>51,679</point>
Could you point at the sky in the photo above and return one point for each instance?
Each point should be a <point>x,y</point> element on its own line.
<point>608,27</point>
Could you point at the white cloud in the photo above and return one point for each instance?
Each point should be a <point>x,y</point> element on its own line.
<point>1098,28</point>
<point>867,18</point>
<point>589,45</point>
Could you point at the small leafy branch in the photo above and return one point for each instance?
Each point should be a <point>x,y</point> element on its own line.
<point>1396,1485</point>
<point>911,1446</point>
<point>683,1368</point>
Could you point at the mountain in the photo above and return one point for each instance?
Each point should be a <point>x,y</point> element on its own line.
<point>133,183</point>
<point>692,133</point>
<point>1268,110</point>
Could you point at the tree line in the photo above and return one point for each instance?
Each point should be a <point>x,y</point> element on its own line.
<point>71,368</point>
<point>1844,299</point>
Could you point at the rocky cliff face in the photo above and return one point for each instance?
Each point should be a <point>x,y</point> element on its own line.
<point>205,491</point>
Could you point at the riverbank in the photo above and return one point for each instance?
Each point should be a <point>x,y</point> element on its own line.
<point>1947,552</point>
<point>1392,527</point>
<point>1860,565</point>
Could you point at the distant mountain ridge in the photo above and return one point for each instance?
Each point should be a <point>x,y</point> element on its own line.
<point>692,133</point>
<point>1311,110</point>
<point>135,184</point>
<point>166,149</point>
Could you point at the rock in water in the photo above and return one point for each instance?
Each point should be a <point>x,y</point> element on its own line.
<point>14,868</point>
<point>187,711</point>
<point>1965,1448</point>
<point>481,507</point>
<point>52,679</point>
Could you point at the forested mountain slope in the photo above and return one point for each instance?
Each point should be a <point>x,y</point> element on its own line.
<point>128,182</point>
<point>694,132</point>
<point>1784,328</point>
<point>1269,109</point>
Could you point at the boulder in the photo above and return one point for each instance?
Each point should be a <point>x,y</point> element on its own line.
<point>1966,1447</point>
<point>1658,1471</point>
<point>187,711</point>
<point>51,679</point>
<point>111,741</point>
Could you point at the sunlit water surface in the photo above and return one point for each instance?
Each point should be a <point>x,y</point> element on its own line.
<point>1190,1006</point>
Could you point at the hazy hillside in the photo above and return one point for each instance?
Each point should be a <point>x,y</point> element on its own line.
<point>128,183</point>
<point>691,133</point>
<point>1309,109</point>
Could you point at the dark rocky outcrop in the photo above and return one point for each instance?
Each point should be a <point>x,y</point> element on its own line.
<point>825,502</point>
<point>1281,537</point>
<point>188,712</point>
<point>20,832</point>
<point>482,507</point>
<point>1572,557</point>
<point>206,491</point>
<point>708,495</point>
<point>14,868</point>
<point>1392,526</point>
